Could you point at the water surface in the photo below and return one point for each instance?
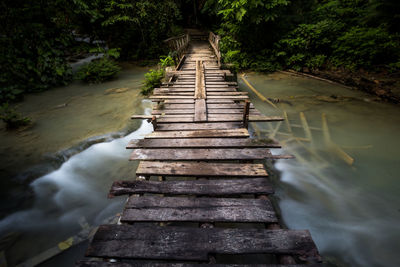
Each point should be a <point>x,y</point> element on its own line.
<point>353,212</point>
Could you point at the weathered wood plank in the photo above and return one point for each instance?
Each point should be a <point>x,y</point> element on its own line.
<point>227,106</point>
<point>200,92</point>
<point>226,93</point>
<point>220,101</point>
<point>198,126</point>
<point>241,132</point>
<point>157,97</point>
<point>200,169</point>
<point>207,71</point>
<point>233,97</point>
<point>176,101</point>
<point>177,106</point>
<point>222,118</point>
<point>216,118</point>
<point>182,118</point>
<point>172,111</point>
<point>200,110</point>
<point>184,243</point>
<point>201,154</point>
<point>231,111</point>
<point>203,143</point>
<point>194,187</point>
<point>142,263</point>
<point>184,209</point>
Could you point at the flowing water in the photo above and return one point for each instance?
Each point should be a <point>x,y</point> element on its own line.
<point>352,211</point>
<point>78,143</point>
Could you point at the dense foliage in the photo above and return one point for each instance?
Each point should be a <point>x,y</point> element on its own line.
<point>271,34</point>
<point>98,70</point>
<point>38,37</point>
<point>102,69</point>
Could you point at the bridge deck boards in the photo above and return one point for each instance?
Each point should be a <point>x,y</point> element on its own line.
<point>191,126</point>
<point>218,187</point>
<point>200,169</point>
<point>241,132</point>
<point>197,151</point>
<point>184,209</point>
<point>202,143</point>
<point>142,263</point>
<point>201,154</point>
<point>187,243</point>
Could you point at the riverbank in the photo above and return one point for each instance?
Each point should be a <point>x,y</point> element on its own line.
<point>384,85</point>
<point>66,120</point>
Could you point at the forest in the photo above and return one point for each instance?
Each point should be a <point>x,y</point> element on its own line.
<point>39,38</point>
<point>209,132</point>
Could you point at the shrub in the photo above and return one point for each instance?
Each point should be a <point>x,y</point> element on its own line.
<point>152,79</point>
<point>98,71</point>
<point>363,47</point>
<point>12,118</point>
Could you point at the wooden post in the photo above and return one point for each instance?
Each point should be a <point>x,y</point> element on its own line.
<point>154,122</point>
<point>246,111</point>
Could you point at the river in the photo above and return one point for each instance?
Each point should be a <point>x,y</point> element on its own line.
<point>75,150</point>
<point>58,172</point>
<point>352,211</point>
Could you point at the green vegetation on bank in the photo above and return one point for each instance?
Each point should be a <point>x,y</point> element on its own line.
<point>153,78</point>
<point>278,34</point>
<point>37,38</point>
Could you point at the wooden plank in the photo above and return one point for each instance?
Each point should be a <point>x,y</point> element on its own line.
<point>226,93</point>
<point>177,106</point>
<point>227,106</point>
<point>188,243</point>
<point>142,263</point>
<point>231,111</point>
<point>212,118</point>
<point>233,97</point>
<point>200,110</point>
<point>241,132</point>
<point>200,92</point>
<point>203,143</point>
<point>201,154</point>
<point>192,126</point>
<point>223,118</point>
<point>207,71</point>
<point>220,101</point>
<point>182,118</point>
<point>177,101</point>
<point>185,209</point>
<point>194,187</point>
<point>160,97</point>
<point>173,111</point>
<point>200,169</point>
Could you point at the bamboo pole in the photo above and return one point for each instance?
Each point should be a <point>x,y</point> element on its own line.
<point>289,127</point>
<point>306,128</point>
<point>263,98</point>
<point>334,147</point>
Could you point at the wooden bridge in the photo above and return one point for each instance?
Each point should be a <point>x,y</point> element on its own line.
<point>201,193</point>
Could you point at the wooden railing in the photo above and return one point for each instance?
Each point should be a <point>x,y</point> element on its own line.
<point>178,44</point>
<point>214,42</point>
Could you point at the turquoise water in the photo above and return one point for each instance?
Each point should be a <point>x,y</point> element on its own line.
<point>76,143</point>
<point>352,211</point>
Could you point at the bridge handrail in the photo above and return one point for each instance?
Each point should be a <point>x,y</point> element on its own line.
<point>214,42</point>
<point>178,44</point>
